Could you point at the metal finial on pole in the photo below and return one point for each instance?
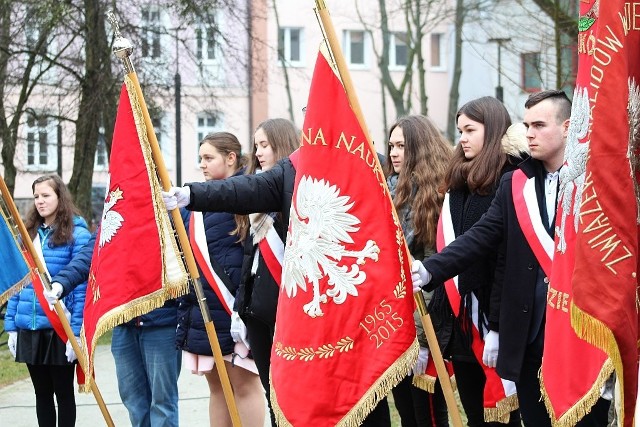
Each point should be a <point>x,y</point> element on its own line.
<point>122,47</point>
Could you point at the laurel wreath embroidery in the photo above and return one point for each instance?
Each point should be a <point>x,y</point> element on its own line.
<point>400,290</point>
<point>307,354</point>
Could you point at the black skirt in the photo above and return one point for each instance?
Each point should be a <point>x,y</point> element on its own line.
<point>40,347</point>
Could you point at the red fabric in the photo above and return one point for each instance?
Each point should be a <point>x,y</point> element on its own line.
<point>323,388</point>
<point>494,393</point>
<point>274,266</point>
<point>128,267</point>
<point>525,222</point>
<point>606,253</point>
<point>52,315</point>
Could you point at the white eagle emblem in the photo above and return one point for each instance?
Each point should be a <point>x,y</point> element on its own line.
<point>572,174</point>
<point>111,220</point>
<point>319,227</point>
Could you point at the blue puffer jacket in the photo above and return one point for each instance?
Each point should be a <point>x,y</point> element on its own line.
<point>191,334</point>
<point>24,310</point>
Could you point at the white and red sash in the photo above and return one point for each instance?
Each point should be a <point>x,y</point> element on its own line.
<point>499,395</point>
<point>198,240</point>
<point>525,203</point>
<point>269,242</point>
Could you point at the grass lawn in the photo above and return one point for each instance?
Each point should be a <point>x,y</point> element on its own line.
<point>10,371</point>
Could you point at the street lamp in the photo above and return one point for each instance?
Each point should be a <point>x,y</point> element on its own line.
<point>499,41</point>
<point>177,84</point>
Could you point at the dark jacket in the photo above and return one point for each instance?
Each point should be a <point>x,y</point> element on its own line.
<point>512,296</point>
<point>466,209</point>
<point>224,248</point>
<point>270,191</point>
<point>77,272</point>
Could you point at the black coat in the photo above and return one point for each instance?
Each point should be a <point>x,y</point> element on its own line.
<point>270,191</point>
<point>512,296</point>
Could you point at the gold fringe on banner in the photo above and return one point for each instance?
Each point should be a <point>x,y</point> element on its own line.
<point>175,282</point>
<point>378,391</point>
<point>428,382</point>
<point>596,333</point>
<point>502,410</point>
<point>425,382</point>
<point>26,280</point>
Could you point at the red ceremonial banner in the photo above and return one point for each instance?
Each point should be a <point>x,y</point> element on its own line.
<point>344,332</point>
<point>573,370</point>
<point>136,265</point>
<point>604,308</point>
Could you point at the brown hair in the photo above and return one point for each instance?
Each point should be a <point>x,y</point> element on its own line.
<point>225,143</point>
<point>63,223</point>
<point>481,173</point>
<point>284,139</point>
<point>426,154</point>
<point>559,99</point>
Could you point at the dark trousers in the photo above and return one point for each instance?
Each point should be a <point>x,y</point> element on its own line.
<point>49,380</point>
<point>470,380</point>
<point>532,409</point>
<point>379,417</point>
<point>260,337</point>
<point>598,416</point>
<point>418,408</point>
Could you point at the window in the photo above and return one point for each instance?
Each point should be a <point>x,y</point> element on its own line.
<point>399,55</point>
<point>101,161</point>
<point>206,43</point>
<point>151,32</point>
<point>437,59</point>
<point>290,46</point>
<point>355,48</point>
<point>531,78</point>
<point>207,123</point>
<point>41,149</point>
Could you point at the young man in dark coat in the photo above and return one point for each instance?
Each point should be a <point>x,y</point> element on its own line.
<point>518,299</point>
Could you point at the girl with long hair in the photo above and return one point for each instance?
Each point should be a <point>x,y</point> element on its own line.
<point>417,156</point>
<point>485,152</point>
<point>58,232</point>
<point>220,158</point>
<point>274,139</point>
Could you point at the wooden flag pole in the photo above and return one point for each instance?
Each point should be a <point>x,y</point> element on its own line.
<point>122,48</point>
<point>336,52</point>
<point>39,270</point>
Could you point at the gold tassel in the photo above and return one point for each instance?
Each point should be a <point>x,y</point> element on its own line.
<point>582,406</point>
<point>26,280</point>
<point>425,382</point>
<point>379,390</point>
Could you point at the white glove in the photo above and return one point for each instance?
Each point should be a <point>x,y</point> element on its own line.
<point>176,197</point>
<point>71,355</point>
<point>419,275</point>
<point>53,295</point>
<point>12,343</point>
<point>421,364</point>
<point>490,353</point>
<point>238,329</point>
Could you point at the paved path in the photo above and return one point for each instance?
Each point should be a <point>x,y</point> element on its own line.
<point>17,401</point>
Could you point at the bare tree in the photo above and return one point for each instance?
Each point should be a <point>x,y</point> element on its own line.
<point>454,91</point>
<point>24,61</point>
<point>419,17</point>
